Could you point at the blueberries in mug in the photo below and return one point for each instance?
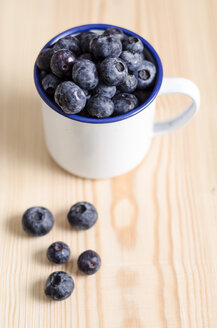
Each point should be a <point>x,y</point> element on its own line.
<point>59,286</point>
<point>37,221</point>
<point>85,38</point>
<point>142,95</point>
<point>44,58</point>
<point>100,106</point>
<point>62,62</point>
<point>50,83</point>
<point>145,74</point>
<point>85,73</point>
<point>132,59</point>
<point>70,97</point>
<point>132,43</point>
<point>116,32</point>
<point>42,74</point>
<point>113,71</point>
<point>86,55</point>
<point>104,46</point>
<point>124,102</point>
<point>129,84</point>
<point>82,215</point>
<point>69,43</point>
<point>105,90</point>
<point>89,262</point>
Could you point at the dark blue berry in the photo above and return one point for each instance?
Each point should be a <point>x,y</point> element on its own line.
<point>87,94</point>
<point>89,262</point>
<point>37,221</point>
<point>103,46</point>
<point>116,32</point>
<point>132,43</point>
<point>70,97</point>
<point>59,286</point>
<point>58,252</point>
<point>44,58</point>
<point>85,38</point>
<point>84,74</point>
<point>124,102</point>
<point>113,71</point>
<point>70,43</point>
<point>145,74</point>
<point>62,62</point>
<point>132,59</point>
<point>129,84</point>
<point>42,74</point>
<point>142,95</point>
<point>105,90</point>
<point>82,215</point>
<point>50,83</point>
<point>100,106</point>
<point>86,56</point>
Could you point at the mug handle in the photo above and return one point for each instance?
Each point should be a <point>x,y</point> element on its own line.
<point>182,86</point>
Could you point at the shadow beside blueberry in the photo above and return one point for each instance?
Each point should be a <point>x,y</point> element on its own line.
<point>41,257</point>
<point>14,225</point>
<point>37,291</point>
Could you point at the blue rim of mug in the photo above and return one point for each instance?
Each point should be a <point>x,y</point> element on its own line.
<point>83,28</point>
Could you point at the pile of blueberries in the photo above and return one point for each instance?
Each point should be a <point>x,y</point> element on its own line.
<point>38,221</point>
<point>97,75</point>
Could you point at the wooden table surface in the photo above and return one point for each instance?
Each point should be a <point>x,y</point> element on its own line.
<point>157,227</point>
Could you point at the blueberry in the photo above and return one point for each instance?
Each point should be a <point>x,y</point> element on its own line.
<point>89,262</point>
<point>145,74</point>
<point>132,59</point>
<point>82,215</point>
<point>133,43</point>
<point>58,252</point>
<point>70,97</point>
<point>70,43</point>
<point>50,83</point>
<point>86,56</point>
<point>124,102</point>
<point>87,94</point>
<point>85,38</point>
<point>105,90</point>
<point>42,74</point>
<point>103,46</point>
<point>62,62</point>
<point>113,70</point>
<point>84,74</point>
<point>129,84</point>
<point>59,286</point>
<point>44,58</point>
<point>100,106</point>
<point>116,32</point>
<point>142,95</point>
<point>37,221</point>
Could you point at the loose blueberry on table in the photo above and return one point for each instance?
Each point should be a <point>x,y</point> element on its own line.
<point>59,285</point>
<point>89,262</point>
<point>37,221</point>
<point>83,73</point>
<point>82,215</point>
<point>58,252</point>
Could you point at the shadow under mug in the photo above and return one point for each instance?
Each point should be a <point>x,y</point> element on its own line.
<point>104,148</point>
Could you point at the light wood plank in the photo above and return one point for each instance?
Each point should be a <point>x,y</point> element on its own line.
<point>157,225</point>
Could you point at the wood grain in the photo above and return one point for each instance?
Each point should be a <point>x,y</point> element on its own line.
<point>157,227</point>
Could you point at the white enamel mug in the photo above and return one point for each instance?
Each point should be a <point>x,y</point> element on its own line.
<point>104,148</point>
